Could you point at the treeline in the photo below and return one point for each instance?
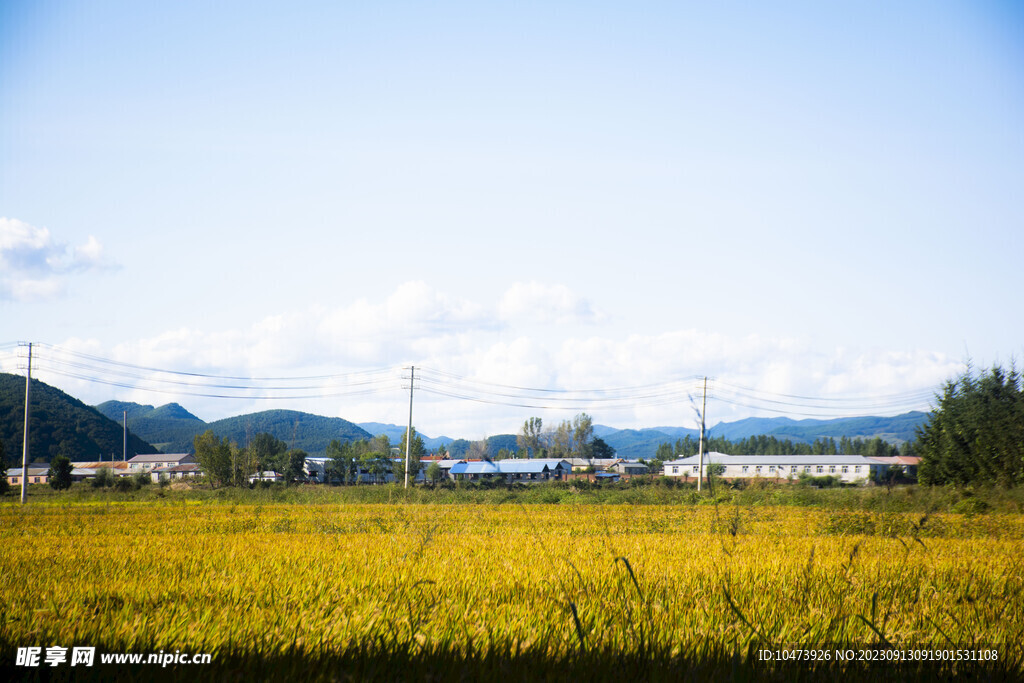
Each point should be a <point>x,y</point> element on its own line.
<point>770,445</point>
<point>976,435</point>
<point>225,463</point>
<point>569,439</point>
<point>372,460</point>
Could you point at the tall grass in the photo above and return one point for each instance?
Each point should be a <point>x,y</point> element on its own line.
<point>276,590</point>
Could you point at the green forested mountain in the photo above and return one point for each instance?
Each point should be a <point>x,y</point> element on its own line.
<point>172,428</point>
<point>169,424</point>
<point>304,431</point>
<point>58,425</point>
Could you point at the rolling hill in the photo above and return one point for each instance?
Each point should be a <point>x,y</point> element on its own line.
<point>162,427</point>
<point>59,424</point>
<point>172,428</point>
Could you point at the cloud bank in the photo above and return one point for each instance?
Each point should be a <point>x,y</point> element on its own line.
<point>35,264</point>
<point>489,347</point>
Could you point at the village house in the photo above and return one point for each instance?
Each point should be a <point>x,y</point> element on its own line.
<point>189,470</point>
<point>145,463</point>
<point>36,475</point>
<point>591,464</point>
<point>628,467</point>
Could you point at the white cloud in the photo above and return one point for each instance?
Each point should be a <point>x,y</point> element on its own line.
<point>538,303</point>
<point>34,263</point>
<point>416,324</point>
<point>89,255</point>
<point>25,289</point>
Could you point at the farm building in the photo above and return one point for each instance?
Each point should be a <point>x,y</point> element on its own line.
<point>511,470</point>
<point>189,470</point>
<point>474,469</point>
<point>630,467</point>
<point>592,464</point>
<point>848,468</point>
<point>144,463</point>
<point>617,465</point>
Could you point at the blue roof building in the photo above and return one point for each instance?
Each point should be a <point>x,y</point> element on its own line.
<point>512,470</point>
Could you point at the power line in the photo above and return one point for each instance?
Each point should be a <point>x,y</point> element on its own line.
<point>96,369</point>
<point>184,392</point>
<point>107,361</point>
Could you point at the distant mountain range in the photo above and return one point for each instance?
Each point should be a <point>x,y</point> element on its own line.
<point>642,443</point>
<point>171,428</point>
<point>894,429</point>
<point>396,432</point>
<point>60,421</point>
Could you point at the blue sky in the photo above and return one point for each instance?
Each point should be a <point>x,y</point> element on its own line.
<point>808,199</point>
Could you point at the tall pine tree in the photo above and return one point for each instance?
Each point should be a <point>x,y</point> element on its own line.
<point>976,434</point>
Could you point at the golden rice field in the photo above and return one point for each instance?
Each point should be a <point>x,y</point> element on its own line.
<point>347,591</point>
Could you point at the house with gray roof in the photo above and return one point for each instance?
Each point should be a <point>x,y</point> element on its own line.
<point>628,467</point>
<point>189,470</point>
<point>848,468</point>
<point>151,461</point>
<point>36,475</point>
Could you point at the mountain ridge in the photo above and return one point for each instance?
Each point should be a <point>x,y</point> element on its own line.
<point>59,424</point>
<point>172,428</point>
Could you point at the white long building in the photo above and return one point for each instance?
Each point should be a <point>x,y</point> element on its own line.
<point>848,468</point>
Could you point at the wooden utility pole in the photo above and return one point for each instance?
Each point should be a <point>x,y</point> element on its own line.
<point>700,447</point>
<point>408,433</point>
<point>24,446</point>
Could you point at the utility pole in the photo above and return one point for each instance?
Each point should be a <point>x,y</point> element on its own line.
<point>124,447</point>
<point>24,446</point>
<point>408,433</point>
<point>700,448</point>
